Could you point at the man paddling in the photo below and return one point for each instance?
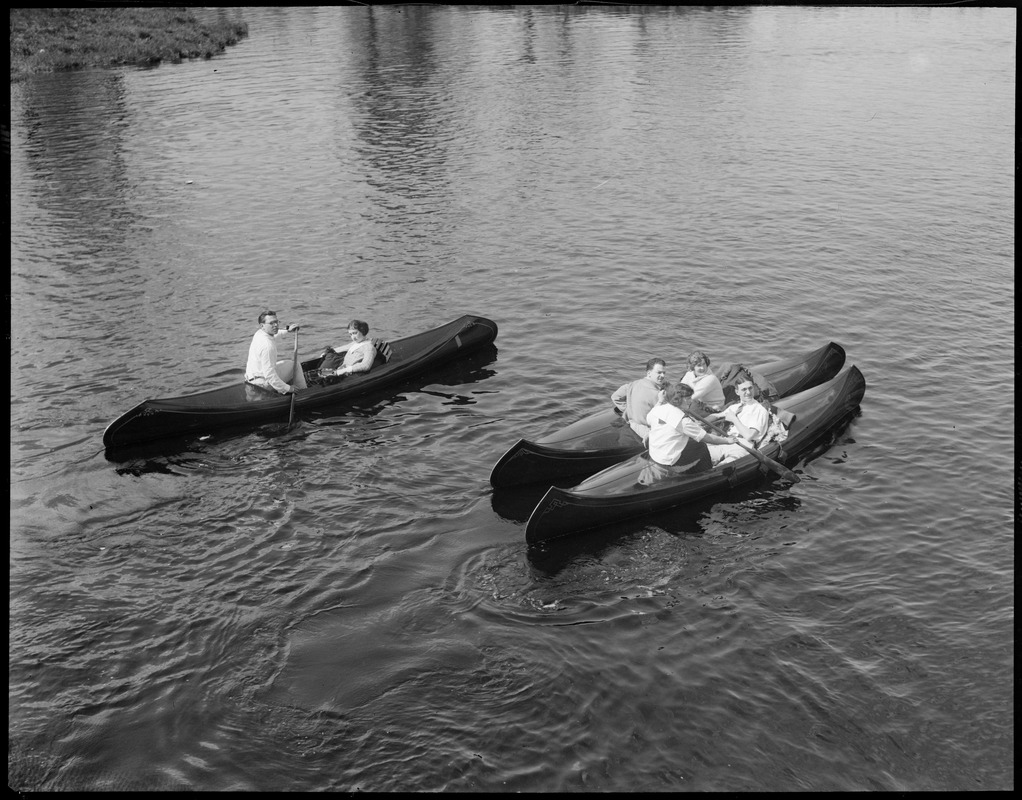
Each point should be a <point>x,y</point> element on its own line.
<point>749,421</point>
<point>263,369</point>
<point>634,400</point>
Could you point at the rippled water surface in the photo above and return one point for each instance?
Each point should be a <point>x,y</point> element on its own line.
<point>349,605</point>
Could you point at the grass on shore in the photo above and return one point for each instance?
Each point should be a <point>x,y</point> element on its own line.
<point>53,39</point>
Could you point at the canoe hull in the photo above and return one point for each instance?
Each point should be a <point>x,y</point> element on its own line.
<point>245,405</point>
<point>603,438</point>
<point>637,486</point>
<point>611,440</point>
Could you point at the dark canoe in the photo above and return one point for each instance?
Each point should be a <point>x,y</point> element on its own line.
<point>636,486</point>
<point>603,438</point>
<point>243,404</point>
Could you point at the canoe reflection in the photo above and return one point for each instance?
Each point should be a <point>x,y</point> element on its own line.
<point>733,513</point>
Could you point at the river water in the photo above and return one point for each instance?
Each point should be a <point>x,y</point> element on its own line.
<point>348,606</point>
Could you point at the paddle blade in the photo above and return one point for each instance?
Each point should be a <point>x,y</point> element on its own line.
<point>783,472</point>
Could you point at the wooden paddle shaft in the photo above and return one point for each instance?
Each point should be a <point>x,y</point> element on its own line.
<point>294,382</point>
<point>781,470</point>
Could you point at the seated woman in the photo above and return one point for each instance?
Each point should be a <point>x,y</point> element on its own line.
<point>705,385</point>
<point>358,356</point>
<point>675,438</point>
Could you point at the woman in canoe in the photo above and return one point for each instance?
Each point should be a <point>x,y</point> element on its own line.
<point>705,385</point>
<point>358,356</point>
<point>675,438</point>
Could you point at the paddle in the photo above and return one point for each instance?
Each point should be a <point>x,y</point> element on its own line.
<point>294,381</point>
<point>766,461</point>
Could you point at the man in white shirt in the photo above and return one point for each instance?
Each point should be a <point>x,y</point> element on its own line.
<point>263,368</point>
<point>749,421</point>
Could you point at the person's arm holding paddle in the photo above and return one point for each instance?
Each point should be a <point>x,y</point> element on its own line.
<point>750,433</point>
<point>722,455</point>
<point>358,356</point>
<point>748,418</point>
<point>262,366</point>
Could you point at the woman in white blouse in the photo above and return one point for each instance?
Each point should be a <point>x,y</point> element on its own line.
<point>705,385</point>
<point>359,355</point>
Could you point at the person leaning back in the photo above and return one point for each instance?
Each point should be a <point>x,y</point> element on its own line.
<point>705,385</point>
<point>634,400</point>
<point>263,369</point>
<point>357,357</point>
<point>748,419</point>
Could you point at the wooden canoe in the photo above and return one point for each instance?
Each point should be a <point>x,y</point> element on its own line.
<point>637,486</point>
<point>242,404</point>
<point>603,438</point>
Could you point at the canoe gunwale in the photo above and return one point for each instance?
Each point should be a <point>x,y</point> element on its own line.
<point>551,456</point>
<point>243,404</point>
<point>561,512</point>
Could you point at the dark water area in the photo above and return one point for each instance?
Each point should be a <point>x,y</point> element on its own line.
<point>348,605</point>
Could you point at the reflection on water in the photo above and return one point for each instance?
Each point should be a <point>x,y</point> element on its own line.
<point>515,503</point>
<point>836,435</point>
<point>731,512</point>
<point>348,605</point>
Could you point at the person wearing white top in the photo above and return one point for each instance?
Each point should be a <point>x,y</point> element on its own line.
<point>705,385</point>
<point>748,419</point>
<point>675,438</point>
<point>262,368</point>
<point>358,356</point>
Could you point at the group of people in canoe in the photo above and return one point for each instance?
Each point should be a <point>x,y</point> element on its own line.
<point>264,369</point>
<point>666,415</point>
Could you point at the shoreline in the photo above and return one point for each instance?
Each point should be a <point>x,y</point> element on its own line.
<point>64,39</point>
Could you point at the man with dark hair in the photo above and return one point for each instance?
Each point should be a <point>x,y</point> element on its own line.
<point>263,369</point>
<point>635,399</point>
<point>749,420</point>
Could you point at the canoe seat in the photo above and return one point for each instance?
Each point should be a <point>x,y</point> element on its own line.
<point>383,349</point>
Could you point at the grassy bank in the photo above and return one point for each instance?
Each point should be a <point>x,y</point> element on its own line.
<point>50,39</point>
